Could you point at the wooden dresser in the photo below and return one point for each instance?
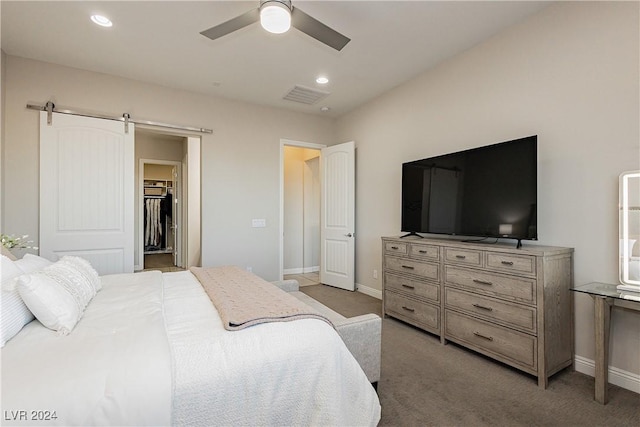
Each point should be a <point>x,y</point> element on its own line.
<point>513,305</point>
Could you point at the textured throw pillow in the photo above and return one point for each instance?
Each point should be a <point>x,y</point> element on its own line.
<point>30,263</point>
<point>84,268</point>
<point>15,315</point>
<point>58,294</point>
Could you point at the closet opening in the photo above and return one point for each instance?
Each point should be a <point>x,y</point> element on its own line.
<point>167,214</point>
<point>161,214</point>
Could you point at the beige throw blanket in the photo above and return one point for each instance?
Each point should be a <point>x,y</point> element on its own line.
<point>244,299</point>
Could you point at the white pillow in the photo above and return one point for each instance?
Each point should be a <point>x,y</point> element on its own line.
<point>85,268</point>
<point>15,313</point>
<point>30,263</point>
<point>8,271</point>
<point>14,316</point>
<point>58,294</point>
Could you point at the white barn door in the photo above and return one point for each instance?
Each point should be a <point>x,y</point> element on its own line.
<point>86,191</point>
<point>337,220</point>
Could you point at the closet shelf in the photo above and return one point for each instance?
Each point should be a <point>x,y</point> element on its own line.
<point>157,187</point>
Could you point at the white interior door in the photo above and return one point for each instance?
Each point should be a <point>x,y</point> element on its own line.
<point>337,223</point>
<point>87,191</point>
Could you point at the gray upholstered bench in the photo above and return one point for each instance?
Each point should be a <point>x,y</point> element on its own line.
<point>361,334</point>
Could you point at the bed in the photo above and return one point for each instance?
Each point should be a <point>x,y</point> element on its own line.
<point>150,349</point>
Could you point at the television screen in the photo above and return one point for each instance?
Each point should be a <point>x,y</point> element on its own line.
<point>488,191</point>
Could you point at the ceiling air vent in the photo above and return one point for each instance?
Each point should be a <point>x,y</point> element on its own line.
<point>305,95</point>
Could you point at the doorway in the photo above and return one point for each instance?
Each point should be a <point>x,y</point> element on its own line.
<point>161,219</point>
<point>337,212</point>
<point>167,201</point>
<point>301,211</point>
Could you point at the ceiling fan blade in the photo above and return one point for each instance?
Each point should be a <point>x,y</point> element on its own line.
<point>232,25</point>
<point>316,29</point>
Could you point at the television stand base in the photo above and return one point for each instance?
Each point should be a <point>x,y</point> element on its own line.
<point>413,233</point>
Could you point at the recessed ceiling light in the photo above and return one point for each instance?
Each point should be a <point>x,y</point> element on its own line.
<point>325,109</point>
<point>322,80</point>
<point>103,21</point>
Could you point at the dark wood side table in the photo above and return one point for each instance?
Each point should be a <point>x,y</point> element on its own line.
<point>605,296</point>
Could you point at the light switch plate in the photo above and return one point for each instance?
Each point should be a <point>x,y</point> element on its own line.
<point>258,223</point>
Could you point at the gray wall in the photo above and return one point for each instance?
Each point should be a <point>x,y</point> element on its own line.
<point>570,75</point>
<point>240,160</point>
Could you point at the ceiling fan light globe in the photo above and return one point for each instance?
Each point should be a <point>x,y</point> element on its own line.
<point>275,17</point>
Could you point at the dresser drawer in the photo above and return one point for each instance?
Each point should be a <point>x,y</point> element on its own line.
<point>512,263</point>
<point>416,288</point>
<point>463,256</point>
<point>503,343</point>
<point>423,269</point>
<point>509,314</point>
<point>510,287</point>
<point>417,313</point>
<point>418,250</point>
<point>396,248</point>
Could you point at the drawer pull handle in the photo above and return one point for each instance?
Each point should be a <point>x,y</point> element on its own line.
<point>408,286</point>
<point>482,307</point>
<point>408,309</point>
<point>394,247</point>
<point>482,282</point>
<point>460,256</point>
<point>408,267</point>
<point>422,251</point>
<point>478,334</point>
<point>507,262</point>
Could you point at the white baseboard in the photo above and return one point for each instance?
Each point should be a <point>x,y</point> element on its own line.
<point>624,379</point>
<point>301,270</point>
<point>376,293</point>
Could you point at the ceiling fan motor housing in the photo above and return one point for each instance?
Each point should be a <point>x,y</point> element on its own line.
<point>286,3</point>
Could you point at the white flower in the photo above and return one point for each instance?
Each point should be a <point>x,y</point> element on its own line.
<point>12,242</point>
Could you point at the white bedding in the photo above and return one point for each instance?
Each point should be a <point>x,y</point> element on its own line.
<point>150,351</point>
<point>113,369</point>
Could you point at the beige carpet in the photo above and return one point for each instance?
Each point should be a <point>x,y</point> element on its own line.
<point>425,383</point>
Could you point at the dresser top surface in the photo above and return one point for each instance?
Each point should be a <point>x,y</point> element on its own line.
<point>488,245</point>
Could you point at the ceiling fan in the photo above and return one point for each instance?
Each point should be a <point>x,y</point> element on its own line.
<point>277,16</point>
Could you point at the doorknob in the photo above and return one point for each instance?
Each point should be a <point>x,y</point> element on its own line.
<point>349,235</point>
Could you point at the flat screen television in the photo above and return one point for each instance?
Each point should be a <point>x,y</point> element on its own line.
<point>489,191</point>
